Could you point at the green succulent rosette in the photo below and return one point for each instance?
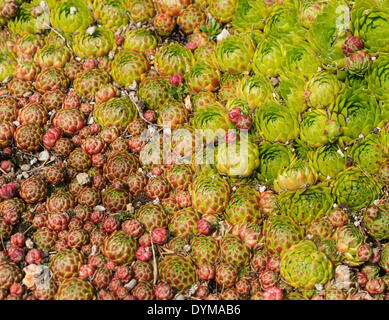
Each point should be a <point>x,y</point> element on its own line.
<point>129,66</point>
<point>154,92</point>
<point>26,23</point>
<point>282,23</point>
<point>308,12</point>
<point>254,90</point>
<point>322,90</point>
<point>202,77</point>
<point>328,33</point>
<point>117,112</point>
<point>280,233</point>
<point>90,81</point>
<point>273,157</point>
<point>355,189</point>
<point>328,161</point>
<point>71,16</point>
<point>378,78</point>
<point>377,225</point>
<point>269,57</point>
<point>173,58</point>
<point>275,122</point>
<point>111,13</point>
<point>300,59</point>
<point>94,44</point>
<point>239,159</point>
<point>303,266</point>
<point>369,154</point>
<point>244,206</point>
<point>213,121</point>
<point>7,64</point>
<point>357,112</point>
<point>142,40</point>
<point>348,239</point>
<point>234,53</point>
<point>249,15</point>
<point>370,22</point>
<point>306,205</point>
<point>317,129</point>
<point>299,174</point>
<point>291,89</point>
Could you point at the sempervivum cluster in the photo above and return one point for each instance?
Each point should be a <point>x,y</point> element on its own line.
<point>193,149</point>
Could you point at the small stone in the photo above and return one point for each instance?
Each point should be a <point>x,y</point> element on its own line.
<point>33,161</point>
<point>99,208</point>
<point>16,123</point>
<point>29,244</point>
<point>318,286</point>
<point>179,297</point>
<point>25,175</point>
<point>25,167</point>
<point>83,178</point>
<point>73,10</point>
<point>187,248</point>
<point>222,35</point>
<point>130,285</point>
<point>44,156</point>
<point>91,30</point>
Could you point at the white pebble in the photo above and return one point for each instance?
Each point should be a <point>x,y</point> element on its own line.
<point>29,243</point>
<point>179,297</point>
<point>44,156</point>
<point>33,161</point>
<point>99,208</point>
<point>73,10</point>
<point>25,175</point>
<point>16,123</point>
<point>25,167</point>
<point>83,178</point>
<point>131,284</point>
<point>222,35</point>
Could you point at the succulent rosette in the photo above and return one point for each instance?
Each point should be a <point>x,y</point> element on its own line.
<point>96,43</point>
<point>210,193</point>
<point>75,289</point>
<point>378,78</point>
<point>237,103</point>
<point>354,188</point>
<point>348,239</point>
<point>275,122</point>
<point>142,40</point>
<point>179,272</point>
<point>244,206</point>
<point>370,153</point>
<point>291,89</point>
<point>317,129</point>
<point>7,64</point>
<point>370,22</point>
<point>111,14</point>
<point>129,66</point>
<point>272,159</point>
<point>234,53</point>
<point>26,22</point>
<point>376,221</point>
<point>306,205</point>
<point>327,161</point>
<point>299,174</point>
<point>304,266</point>
<point>357,112</point>
<point>202,77</point>
<point>154,92</point>
<point>254,90</point>
<point>328,33</point>
<point>269,57</point>
<point>282,23</point>
<point>247,15</point>
<point>119,247</point>
<point>308,12</point>
<point>280,233</point>
<point>172,58</point>
<point>117,112</point>
<point>71,16</point>
<point>222,10</point>
<point>300,59</point>
<point>322,90</point>
<point>237,159</point>
<point>213,121</point>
